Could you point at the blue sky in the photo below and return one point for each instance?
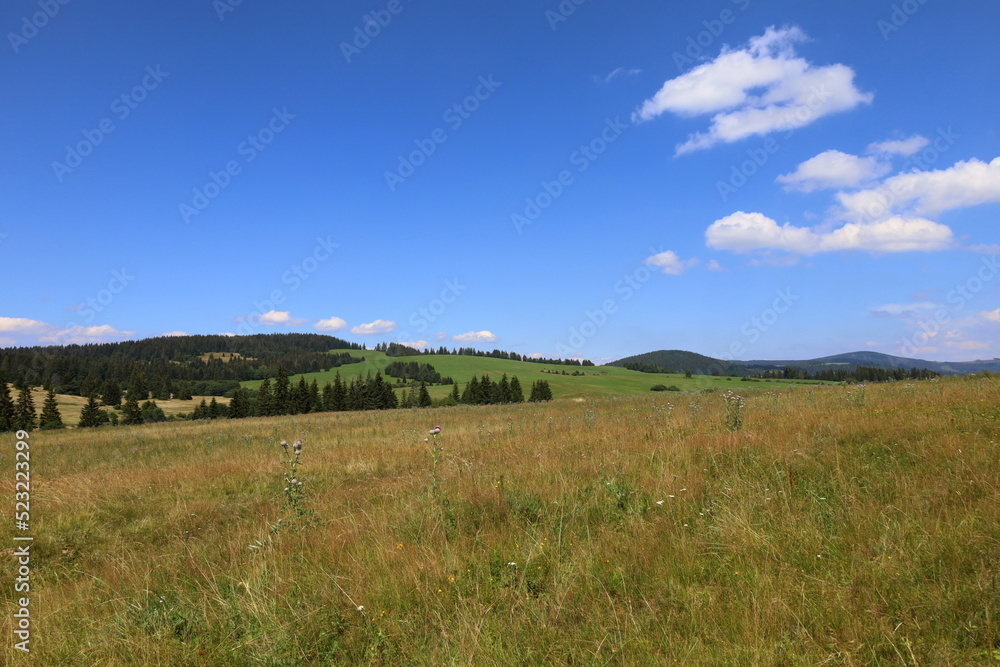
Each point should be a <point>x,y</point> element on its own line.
<point>740,178</point>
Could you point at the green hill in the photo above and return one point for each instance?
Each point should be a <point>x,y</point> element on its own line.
<point>593,381</point>
<point>681,360</point>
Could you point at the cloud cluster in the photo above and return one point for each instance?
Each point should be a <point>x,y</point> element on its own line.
<point>476,337</point>
<point>331,324</point>
<point>668,262</point>
<point>373,328</point>
<point>756,90</point>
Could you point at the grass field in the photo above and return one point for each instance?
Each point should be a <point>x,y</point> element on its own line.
<point>71,406</point>
<point>597,381</point>
<point>839,526</point>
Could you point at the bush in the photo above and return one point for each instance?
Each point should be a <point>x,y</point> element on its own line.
<point>658,387</point>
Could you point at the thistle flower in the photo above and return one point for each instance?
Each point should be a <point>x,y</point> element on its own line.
<point>435,430</point>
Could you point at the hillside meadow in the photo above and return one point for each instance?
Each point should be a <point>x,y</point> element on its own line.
<point>838,526</point>
<point>593,381</point>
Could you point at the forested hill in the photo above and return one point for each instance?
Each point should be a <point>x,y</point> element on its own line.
<point>680,361</point>
<point>217,363</point>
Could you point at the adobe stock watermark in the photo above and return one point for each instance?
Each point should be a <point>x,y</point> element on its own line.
<point>899,16</point>
<point>580,160</point>
<point>753,329</point>
<point>957,298</point>
<point>714,27</point>
<point>422,318</point>
<point>121,108</point>
<point>373,23</point>
<point>740,174</point>
<point>224,7</point>
<point>30,25</point>
<point>293,279</point>
<point>88,309</point>
<point>454,116</point>
<point>594,320</point>
<point>22,542</point>
<point>248,150</point>
<point>562,12</point>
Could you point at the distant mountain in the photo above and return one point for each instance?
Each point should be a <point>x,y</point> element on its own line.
<point>680,361</point>
<point>852,360</point>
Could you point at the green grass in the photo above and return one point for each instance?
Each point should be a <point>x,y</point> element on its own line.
<point>619,531</point>
<point>597,381</point>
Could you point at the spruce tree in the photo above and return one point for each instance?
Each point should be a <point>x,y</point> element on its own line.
<point>503,390</point>
<point>90,416</point>
<point>239,407</point>
<point>213,409</point>
<point>111,393</point>
<point>339,394</point>
<point>516,393</point>
<point>24,412</point>
<point>131,412</point>
<point>315,402</point>
<point>265,399</point>
<point>184,392</point>
<point>454,394</point>
<point>424,398</point>
<point>282,393</point>
<point>327,398</point>
<point>6,407</point>
<point>51,419</point>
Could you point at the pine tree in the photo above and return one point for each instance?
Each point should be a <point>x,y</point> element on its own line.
<point>24,412</point>
<point>137,386</point>
<point>6,407</point>
<point>201,411</point>
<point>471,393</point>
<point>184,392</point>
<point>90,416</point>
<point>424,398</point>
<point>516,393</point>
<point>89,384</point>
<point>339,394</point>
<point>454,394</point>
<point>213,409</point>
<point>51,419</point>
<point>265,400</point>
<point>131,412</point>
<point>503,390</point>
<point>111,393</point>
<point>327,398</point>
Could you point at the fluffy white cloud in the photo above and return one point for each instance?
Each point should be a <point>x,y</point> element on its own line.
<point>833,169</point>
<point>919,193</point>
<point>670,263</point>
<point>746,232</point>
<point>376,327</point>
<point>476,337</point>
<point>278,317</point>
<point>755,90</point>
<point>23,325</point>
<point>175,334</point>
<point>715,266</point>
<point>332,324</point>
<point>81,335</point>
<point>904,147</point>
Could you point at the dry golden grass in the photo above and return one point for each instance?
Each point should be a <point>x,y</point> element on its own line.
<point>831,529</point>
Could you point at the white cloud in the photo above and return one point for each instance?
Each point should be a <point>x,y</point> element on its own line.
<point>833,169</point>
<point>902,309</point>
<point>919,193</point>
<point>80,335</point>
<point>416,344</point>
<point>620,71</point>
<point>747,232</point>
<point>376,327</point>
<point>904,147</point>
<point>715,266</point>
<point>175,334</point>
<point>476,337</point>
<point>755,90</point>
<point>968,345</point>
<point>275,317</point>
<point>991,316</point>
<point>670,263</point>
<point>332,324</point>
<point>23,325</point>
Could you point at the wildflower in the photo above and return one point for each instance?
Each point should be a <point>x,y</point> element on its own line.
<point>435,430</point>
<point>361,607</point>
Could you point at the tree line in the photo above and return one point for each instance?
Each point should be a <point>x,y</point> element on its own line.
<point>400,350</point>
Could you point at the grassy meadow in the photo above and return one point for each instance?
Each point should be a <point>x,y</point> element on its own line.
<point>838,526</point>
<point>595,381</point>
